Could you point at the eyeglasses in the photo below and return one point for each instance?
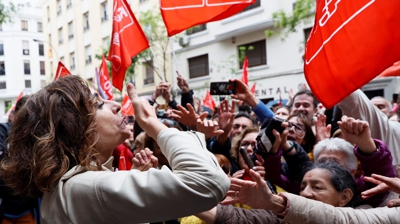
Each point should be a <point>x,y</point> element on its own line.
<point>298,129</point>
<point>246,144</point>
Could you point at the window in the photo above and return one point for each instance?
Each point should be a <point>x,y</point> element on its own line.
<point>106,42</point>
<point>42,71</point>
<point>58,7</point>
<point>40,27</point>
<point>149,78</point>
<point>307,32</point>
<point>88,54</point>
<point>24,25</point>
<point>86,25</point>
<point>198,66</point>
<point>252,6</point>
<point>196,29</point>
<point>27,67</point>
<point>28,84</point>
<point>1,48</point>
<point>69,4</point>
<point>255,52</point>
<point>2,68</point>
<point>3,85</point>
<point>72,60</point>
<point>7,103</point>
<point>104,12</point>
<point>48,14</point>
<point>70,30</point>
<point>25,47</point>
<point>60,36</point>
<point>41,50</point>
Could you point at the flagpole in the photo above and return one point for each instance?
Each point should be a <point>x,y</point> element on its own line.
<point>157,67</point>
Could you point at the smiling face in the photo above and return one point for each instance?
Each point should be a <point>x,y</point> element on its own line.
<point>316,185</point>
<point>111,127</point>
<point>304,104</point>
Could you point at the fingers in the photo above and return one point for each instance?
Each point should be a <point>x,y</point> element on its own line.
<point>238,174</point>
<point>393,183</point>
<point>394,203</point>
<point>132,92</point>
<point>203,115</point>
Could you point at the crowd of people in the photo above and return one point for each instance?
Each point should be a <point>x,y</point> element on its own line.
<point>68,156</point>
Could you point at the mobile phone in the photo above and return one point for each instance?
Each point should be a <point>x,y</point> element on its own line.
<point>246,157</point>
<point>395,97</point>
<point>274,123</point>
<point>222,88</point>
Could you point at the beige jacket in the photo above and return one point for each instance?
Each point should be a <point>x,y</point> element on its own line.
<point>195,184</point>
<point>303,210</point>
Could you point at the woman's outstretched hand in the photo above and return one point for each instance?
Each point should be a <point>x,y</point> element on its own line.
<point>144,113</point>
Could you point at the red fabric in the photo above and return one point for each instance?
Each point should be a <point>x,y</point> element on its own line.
<point>122,157</point>
<point>105,83</point>
<point>245,75</point>
<point>183,14</point>
<point>61,71</point>
<point>393,70</point>
<point>209,101</point>
<point>253,88</point>
<point>127,41</point>
<point>351,43</point>
<point>127,108</point>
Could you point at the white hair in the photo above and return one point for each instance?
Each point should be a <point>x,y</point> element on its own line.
<point>338,145</point>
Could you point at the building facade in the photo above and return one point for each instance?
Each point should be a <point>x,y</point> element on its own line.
<point>22,60</point>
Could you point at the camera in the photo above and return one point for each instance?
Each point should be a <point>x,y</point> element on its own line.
<point>266,138</point>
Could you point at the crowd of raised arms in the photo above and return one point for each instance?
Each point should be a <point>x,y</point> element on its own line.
<point>69,156</point>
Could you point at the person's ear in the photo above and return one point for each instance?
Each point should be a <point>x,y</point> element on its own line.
<point>345,196</point>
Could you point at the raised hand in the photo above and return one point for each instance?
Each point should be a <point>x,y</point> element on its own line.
<point>182,83</point>
<point>144,160</point>
<point>163,89</point>
<point>210,128</point>
<point>357,132</point>
<point>145,114</point>
<point>187,117</point>
<point>226,116</point>
<point>383,184</point>
<point>322,130</point>
<point>243,93</point>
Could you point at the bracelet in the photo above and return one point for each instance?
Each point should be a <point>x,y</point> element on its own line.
<point>289,149</point>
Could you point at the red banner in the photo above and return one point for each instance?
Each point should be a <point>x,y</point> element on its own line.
<point>209,101</point>
<point>127,108</point>
<point>245,74</point>
<point>183,14</point>
<point>61,71</point>
<point>127,41</point>
<point>104,80</point>
<point>351,43</point>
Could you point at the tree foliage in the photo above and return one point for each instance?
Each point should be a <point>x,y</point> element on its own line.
<point>6,12</point>
<point>303,12</point>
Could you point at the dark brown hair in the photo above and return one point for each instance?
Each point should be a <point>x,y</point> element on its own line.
<point>53,131</point>
<point>309,137</point>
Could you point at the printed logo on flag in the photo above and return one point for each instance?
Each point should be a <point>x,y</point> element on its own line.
<point>331,23</point>
<point>122,16</point>
<point>184,4</point>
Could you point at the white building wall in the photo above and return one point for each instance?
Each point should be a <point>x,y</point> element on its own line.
<point>12,36</point>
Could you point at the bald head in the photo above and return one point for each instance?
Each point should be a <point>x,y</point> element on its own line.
<point>382,104</point>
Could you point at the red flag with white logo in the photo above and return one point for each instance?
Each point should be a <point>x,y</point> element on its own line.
<point>209,101</point>
<point>104,80</point>
<point>125,159</point>
<point>127,41</point>
<point>61,71</point>
<point>183,14</point>
<point>351,43</point>
<point>127,108</point>
<point>245,75</point>
<point>253,88</point>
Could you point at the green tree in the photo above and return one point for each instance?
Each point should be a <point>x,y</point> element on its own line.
<point>286,23</point>
<point>6,12</point>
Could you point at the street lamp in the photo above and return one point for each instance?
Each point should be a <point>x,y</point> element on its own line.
<point>55,51</point>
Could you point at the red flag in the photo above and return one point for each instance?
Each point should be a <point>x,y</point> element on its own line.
<point>127,41</point>
<point>104,81</point>
<point>245,75</point>
<point>209,101</point>
<point>14,105</point>
<point>253,88</point>
<point>351,43</point>
<point>61,71</point>
<point>394,70</point>
<point>125,159</point>
<point>127,108</point>
<point>183,14</point>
